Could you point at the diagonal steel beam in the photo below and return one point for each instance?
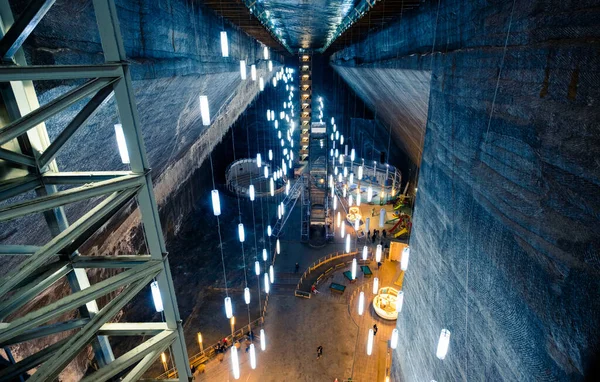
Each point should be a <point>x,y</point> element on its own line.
<point>80,119</point>
<point>18,158</point>
<point>132,328</point>
<point>158,343</point>
<point>59,72</point>
<point>18,249</point>
<point>22,28</point>
<point>81,177</point>
<point>37,116</point>
<point>43,331</point>
<point>75,300</point>
<point>52,368</point>
<point>138,371</point>
<point>58,199</point>
<point>73,232</point>
<point>16,186</point>
<point>126,261</point>
<point>30,362</point>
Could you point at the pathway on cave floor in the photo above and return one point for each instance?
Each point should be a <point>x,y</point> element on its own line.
<point>294,328</point>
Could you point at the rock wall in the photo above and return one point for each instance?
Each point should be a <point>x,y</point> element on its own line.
<point>506,237</point>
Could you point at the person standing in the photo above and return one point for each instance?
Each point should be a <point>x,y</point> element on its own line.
<point>319,351</point>
<point>375,329</point>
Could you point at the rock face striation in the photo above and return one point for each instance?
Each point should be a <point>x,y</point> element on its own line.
<point>506,239</point>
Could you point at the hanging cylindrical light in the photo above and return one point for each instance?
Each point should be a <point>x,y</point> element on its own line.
<point>266,53</point>
<point>247,295</point>
<point>263,340</point>
<point>345,171</point>
<point>251,192</point>
<point>342,142</point>
<point>257,267</point>
<point>394,339</point>
<point>344,190</point>
<point>241,234</point>
<point>361,303</point>
<point>278,247</point>
<point>399,301</point>
<point>354,265</point>
<point>258,160</point>
<point>121,143</point>
<point>365,253</point>
<point>224,44</point>
<point>272,186</point>
<point>369,194</point>
<point>356,224</point>
<point>352,155</point>
<point>270,154</point>
<point>368,224</point>
<point>381,218</point>
<point>339,216</point>
<point>252,357</point>
<point>266,172</point>
<point>261,84</point>
<point>253,72</point>
<point>228,307</point>
<point>404,259</point>
<point>350,200</point>
<point>271,274</point>
<point>358,197</point>
<point>216,203</point>
<point>334,204</point>
<point>204,110</point>
<point>343,230</point>
<point>332,120</point>
<point>360,172</point>
<point>158,304</point>
<point>378,253</point>
<point>375,285</point>
<point>351,179</point>
<point>270,66</point>
<point>443,343</point>
<point>348,244</point>
<point>269,230</point>
<point>287,187</point>
<point>264,254</point>
<point>370,342</point>
<point>274,82</point>
<point>266,277</point>
<point>243,69</point>
<point>341,159</point>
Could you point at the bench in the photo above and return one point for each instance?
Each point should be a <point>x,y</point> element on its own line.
<point>337,288</point>
<point>366,271</point>
<point>300,293</point>
<point>348,275</point>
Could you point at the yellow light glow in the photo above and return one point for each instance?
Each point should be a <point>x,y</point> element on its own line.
<point>163,357</point>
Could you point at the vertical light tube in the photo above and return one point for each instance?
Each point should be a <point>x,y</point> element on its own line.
<point>343,230</point>
<point>399,301</point>
<point>247,295</point>
<point>339,218</point>
<point>258,160</point>
<point>243,69</point>
<point>204,110</point>
<point>251,192</point>
<point>278,247</point>
<point>365,253</point>
<point>352,155</point>
<point>269,230</point>
<point>224,46</point>
<point>369,194</point>
<point>381,218</point>
<point>272,186</point>
<point>253,72</point>
<point>334,203</point>
<point>266,172</point>
<point>121,143</point>
<point>216,203</point>
<point>261,84</point>
<point>228,307</point>
<point>348,243</point>
<point>265,253</point>
<point>257,268</point>
<point>361,303</point>
<point>353,267</point>
<point>370,342</point>
<point>158,304</point>
<point>241,233</point>
<point>350,200</point>
<point>271,274</point>
<point>252,357</point>
<point>266,277</point>
<point>360,172</point>
<point>394,339</point>
<point>378,253</point>
<point>404,260</point>
<point>358,197</point>
<point>375,285</point>
<point>266,53</point>
<point>263,340</point>
<point>270,64</point>
<point>235,363</point>
<point>271,153</point>
<point>356,225</point>
<point>442,348</point>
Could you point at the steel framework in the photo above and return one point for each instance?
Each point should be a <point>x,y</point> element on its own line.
<point>27,164</point>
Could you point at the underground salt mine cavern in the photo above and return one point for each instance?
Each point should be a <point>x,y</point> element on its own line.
<point>300,190</point>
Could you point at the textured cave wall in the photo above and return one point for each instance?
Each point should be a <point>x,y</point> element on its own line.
<point>506,237</point>
<point>174,55</point>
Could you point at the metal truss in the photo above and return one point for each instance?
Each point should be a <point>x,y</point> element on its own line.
<point>27,165</point>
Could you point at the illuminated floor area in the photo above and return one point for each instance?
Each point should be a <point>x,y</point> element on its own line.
<point>295,327</point>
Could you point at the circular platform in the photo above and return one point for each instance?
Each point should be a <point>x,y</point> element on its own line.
<point>244,172</point>
<point>385,303</point>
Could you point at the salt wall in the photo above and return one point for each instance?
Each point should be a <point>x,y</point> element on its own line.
<point>173,51</point>
<point>505,246</point>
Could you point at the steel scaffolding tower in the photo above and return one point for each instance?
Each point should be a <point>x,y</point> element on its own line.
<point>27,164</point>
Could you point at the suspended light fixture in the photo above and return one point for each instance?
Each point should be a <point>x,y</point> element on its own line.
<point>278,247</point>
<point>268,115</point>
<point>356,224</point>
<point>216,203</point>
<point>261,84</point>
<point>351,180</point>
<point>274,82</point>
<point>266,53</point>
<point>266,278</point>
<point>337,153</point>
<point>270,66</point>
<point>343,230</point>
<point>247,295</point>
<point>251,192</point>
<point>378,253</point>
<point>348,244</point>
<point>345,149</point>
<point>381,218</point>
<point>350,200</point>
<point>270,154</point>
<point>263,340</point>
<point>269,231</point>
<point>353,267</point>
<point>361,303</point>
<point>352,155</point>
<point>158,304</point>
<point>287,187</point>
<point>341,159</point>
<point>404,260</point>
<point>272,186</point>
<point>228,307</point>
<point>375,285</point>
<point>344,190</point>
<point>266,172</point>
<point>365,253</point>
<point>370,342</point>
<point>204,111</point>
<point>334,204</point>
<point>265,253</point>
<point>241,234</point>
<point>358,197</point>
<point>369,194</point>
<point>360,172</point>
<point>394,339</point>
<point>345,171</point>
<point>332,120</point>
<point>368,224</point>
<point>271,274</point>
<point>224,44</point>
<point>252,357</point>
<point>257,267</point>
<point>235,363</point>
<point>253,72</point>
<point>243,69</point>
<point>339,215</point>
<point>443,343</point>
<point>121,143</point>
<point>399,301</point>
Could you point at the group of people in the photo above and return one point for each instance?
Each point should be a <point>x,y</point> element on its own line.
<point>376,235</point>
